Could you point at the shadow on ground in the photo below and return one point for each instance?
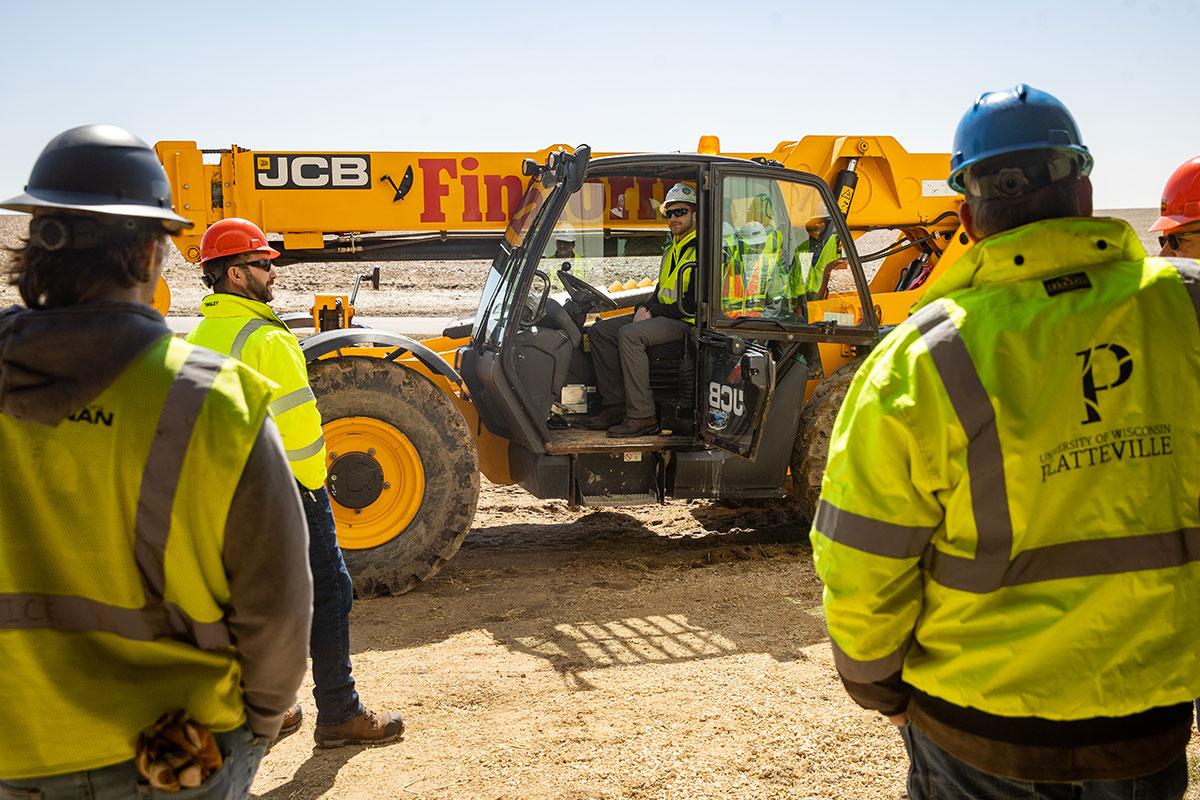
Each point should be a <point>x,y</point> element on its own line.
<point>608,590</point>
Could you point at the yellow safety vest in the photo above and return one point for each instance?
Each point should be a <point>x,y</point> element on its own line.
<point>112,598</point>
<point>252,333</point>
<point>1009,511</point>
<point>680,252</point>
<point>752,277</point>
<point>809,272</point>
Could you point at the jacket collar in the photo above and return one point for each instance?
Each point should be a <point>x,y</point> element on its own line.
<point>1039,249</point>
<point>219,305</point>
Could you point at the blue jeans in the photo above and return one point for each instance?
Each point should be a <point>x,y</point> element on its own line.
<point>232,781</point>
<point>333,595</point>
<point>933,773</point>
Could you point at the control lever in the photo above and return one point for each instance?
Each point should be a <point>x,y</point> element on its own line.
<point>372,276</point>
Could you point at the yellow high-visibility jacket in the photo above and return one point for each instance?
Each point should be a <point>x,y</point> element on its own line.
<point>1009,516</point>
<point>679,253</point>
<point>112,587</point>
<point>251,332</point>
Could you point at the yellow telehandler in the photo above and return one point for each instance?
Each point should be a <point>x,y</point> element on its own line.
<point>746,402</point>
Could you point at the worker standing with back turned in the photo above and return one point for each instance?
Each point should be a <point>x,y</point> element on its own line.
<point>237,263</point>
<point>151,536</point>
<point>1008,529</point>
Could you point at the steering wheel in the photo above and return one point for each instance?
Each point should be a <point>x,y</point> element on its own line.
<point>583,292</point>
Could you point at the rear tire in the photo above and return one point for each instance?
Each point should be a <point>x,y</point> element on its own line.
<point>403,428</point>
<point>811,448</point>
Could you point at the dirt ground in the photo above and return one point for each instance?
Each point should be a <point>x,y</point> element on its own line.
<point>675,651</point>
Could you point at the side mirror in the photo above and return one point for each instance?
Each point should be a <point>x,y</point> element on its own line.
<point>531,315</point>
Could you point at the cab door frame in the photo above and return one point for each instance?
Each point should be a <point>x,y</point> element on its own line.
<point>737,371</point>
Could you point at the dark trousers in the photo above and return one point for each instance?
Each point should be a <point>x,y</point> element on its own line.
<point>333,594</point>
<point>933,773</point>
<point>618,346</point>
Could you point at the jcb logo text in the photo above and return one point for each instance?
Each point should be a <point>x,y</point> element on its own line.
<point>727,399</point>
<point>312,171</point>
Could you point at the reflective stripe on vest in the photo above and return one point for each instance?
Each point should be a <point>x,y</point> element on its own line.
<point>994,565</point>
<point>160,480</point>
<point>291,400</point>
<point>239,341</point>
<point>308,451</point>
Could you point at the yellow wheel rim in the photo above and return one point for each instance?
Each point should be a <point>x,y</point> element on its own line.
<point>376,481</point>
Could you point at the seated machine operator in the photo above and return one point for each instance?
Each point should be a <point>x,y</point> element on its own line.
<point>619,344</point>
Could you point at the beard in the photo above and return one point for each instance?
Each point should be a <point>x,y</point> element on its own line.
<point>258,290</point>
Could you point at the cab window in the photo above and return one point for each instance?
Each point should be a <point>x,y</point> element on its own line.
<point>779,249</point>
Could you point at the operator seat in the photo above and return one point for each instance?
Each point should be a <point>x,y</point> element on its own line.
<point>673,382</point>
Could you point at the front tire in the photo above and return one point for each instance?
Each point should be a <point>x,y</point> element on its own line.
<point>404,471</point>
<point>811,448</point>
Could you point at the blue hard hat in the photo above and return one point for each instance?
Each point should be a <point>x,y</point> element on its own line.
<point>1012,121</point>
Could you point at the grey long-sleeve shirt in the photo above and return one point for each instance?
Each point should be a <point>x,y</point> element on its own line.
<point>266,560</point>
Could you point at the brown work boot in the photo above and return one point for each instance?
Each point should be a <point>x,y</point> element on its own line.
<point>634,426</point>
<point>608,416</point>
<point>367,728</point>
<point>291,722</point>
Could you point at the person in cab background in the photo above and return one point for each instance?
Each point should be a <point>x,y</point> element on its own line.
<point>151,536</point>
<point>618,344</point>
<point>1179,225</point>
<point>1007,529</point>
<point>237,320</point>
<point>814,258</point>
<point>565,243</point>
<point>754,282</point>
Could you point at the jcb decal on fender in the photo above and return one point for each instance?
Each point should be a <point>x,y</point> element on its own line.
<point>309,171</point>
<point>727,399</point>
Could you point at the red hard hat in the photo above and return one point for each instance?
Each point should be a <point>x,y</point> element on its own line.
<point>234,236</point>
<point>1181,198</point>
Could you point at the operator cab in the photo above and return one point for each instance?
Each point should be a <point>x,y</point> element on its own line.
<point>586,241</point>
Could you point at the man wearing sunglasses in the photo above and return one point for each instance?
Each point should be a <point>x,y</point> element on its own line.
<point>237,263</point>
<point>1179,224</point>
<point>619,344</point>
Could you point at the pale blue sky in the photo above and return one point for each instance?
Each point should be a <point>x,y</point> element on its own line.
<point>618,75</point>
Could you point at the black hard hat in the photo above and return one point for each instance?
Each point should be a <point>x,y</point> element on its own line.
<point>101,169</point>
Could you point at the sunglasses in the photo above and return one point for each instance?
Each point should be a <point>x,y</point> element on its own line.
<point>263,263</point>
<point>1174,238</point>
<point>677,212</point>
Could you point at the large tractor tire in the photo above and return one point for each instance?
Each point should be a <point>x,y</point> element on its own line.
<point>811,448</point>
<point>404,472</point>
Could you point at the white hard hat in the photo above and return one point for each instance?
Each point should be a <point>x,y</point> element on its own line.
<point>564,233</point>
<point>680,193</point>
<point>753,233</point>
